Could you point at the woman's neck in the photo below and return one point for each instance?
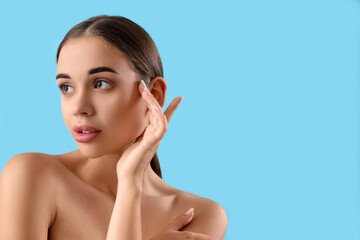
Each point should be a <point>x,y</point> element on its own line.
<point>101,174</point>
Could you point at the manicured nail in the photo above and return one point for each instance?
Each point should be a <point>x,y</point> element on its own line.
<point>145,87</point>
<point>156,108</point>
<point>181,98</point>
<point>189,211</point>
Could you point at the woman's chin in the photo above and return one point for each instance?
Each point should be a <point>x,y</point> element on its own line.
<point>99,150</point>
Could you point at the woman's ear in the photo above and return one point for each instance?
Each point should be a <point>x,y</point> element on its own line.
<point>158,87</point>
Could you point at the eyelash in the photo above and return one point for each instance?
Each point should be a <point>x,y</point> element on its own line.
<point>62,85</point>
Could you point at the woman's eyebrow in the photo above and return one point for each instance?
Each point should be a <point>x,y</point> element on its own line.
<point>91,71</point>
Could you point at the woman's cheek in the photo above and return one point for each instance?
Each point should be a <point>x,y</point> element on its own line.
<point>130,111</point>
<point>67,117</point>
<point>133,122</point>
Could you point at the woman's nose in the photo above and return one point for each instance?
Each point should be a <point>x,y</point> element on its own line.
<point>82,105</point>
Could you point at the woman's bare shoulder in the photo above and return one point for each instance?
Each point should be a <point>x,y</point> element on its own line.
<point>33,162</point>
<point>209,216</point>
<point>199,203</point>
<point>26,195</point>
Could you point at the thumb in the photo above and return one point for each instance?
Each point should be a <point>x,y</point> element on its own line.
<point>182,220</point>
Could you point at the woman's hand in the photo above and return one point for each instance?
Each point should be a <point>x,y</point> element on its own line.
<point>171,230</point>
<point>137,156</point>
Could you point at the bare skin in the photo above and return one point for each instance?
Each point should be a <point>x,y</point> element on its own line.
<point>83,211</point>
<point>81,187</point>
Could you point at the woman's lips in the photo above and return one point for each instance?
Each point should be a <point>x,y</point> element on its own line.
<point>85,133</point>
<point>85,137</point>
<point>84,127</point>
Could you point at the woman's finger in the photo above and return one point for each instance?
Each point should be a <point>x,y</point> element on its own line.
<point>152,104</point>
<point>152,101</point>
<point>172,107</point>
<point>195,236</point>
<point>147,94</point>
<point>158,123</point>
<point>180,221</point>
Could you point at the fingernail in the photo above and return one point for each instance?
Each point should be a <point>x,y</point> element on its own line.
<point>145,87</point>
<point>181,98</point>
<point>156,108</point>
<point>189,211</point>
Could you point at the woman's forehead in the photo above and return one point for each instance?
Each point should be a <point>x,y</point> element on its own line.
<point>91,51</point>
<point>92,44</point>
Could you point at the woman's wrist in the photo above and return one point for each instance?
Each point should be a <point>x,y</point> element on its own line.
<point>130,184</point>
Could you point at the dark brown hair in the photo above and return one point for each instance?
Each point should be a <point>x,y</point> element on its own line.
<point>130,39</point>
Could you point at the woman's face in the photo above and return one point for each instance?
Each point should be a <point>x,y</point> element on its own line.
<point>108,101</point>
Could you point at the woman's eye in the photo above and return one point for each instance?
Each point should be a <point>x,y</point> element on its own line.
<point>102,84</point>
<point>64,88</point>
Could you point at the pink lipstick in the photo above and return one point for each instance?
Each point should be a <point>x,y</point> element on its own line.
<point>85,133</point>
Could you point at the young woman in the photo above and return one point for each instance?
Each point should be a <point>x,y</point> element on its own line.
<point>112,92</point>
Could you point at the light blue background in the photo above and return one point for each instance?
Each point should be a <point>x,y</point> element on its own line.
<point>269,127</point>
